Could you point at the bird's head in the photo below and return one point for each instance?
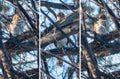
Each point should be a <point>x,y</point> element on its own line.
<point>60,15</point>
<point>16,17</point>
<point>102,16</point>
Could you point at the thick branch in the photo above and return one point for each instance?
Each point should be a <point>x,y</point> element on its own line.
<point>57,5</point>
<point>50,38</point>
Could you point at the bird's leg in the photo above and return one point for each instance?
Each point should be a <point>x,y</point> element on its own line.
<point>11,35</point>
<point>15,40</point>
<point>63,49</point>
<point>101,40</point>
<point>54,30</point>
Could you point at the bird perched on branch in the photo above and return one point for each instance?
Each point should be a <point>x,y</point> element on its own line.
<point>100,27</point>
<point>13,24</point>
<point>59,43</point>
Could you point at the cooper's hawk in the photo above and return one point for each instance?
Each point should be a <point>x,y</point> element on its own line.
<point>100,28</point>
<point>13,25</point>
<point>60,43</point>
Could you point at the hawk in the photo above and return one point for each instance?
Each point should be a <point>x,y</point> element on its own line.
<point>59,43</point>
<point>13,24</point>
<point>100,25</point>
<point>100,28</point>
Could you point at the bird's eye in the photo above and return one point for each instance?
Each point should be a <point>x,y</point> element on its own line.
<point>102,16</point>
